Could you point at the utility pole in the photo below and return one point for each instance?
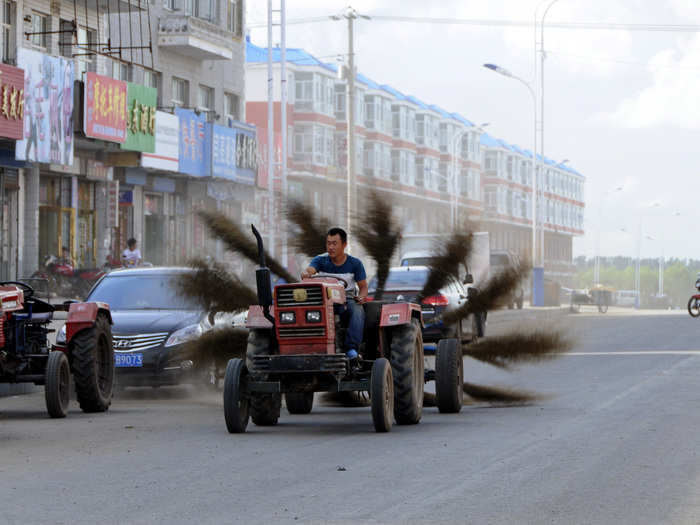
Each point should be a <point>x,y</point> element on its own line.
<point>270,133</point>
<point>351,15</point>
<point>283,124</point>
<point>352,182</point>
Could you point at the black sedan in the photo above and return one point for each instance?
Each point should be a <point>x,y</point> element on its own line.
<point>151,326</point>
<point>405,283</point>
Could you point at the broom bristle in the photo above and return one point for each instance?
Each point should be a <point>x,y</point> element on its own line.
<point>504,351</point>
<point>218,346</point>
<point>497,288</point>
<point>237,241</point>
<point>492,394</point>
<point>379,233</point>
<point>214,289</point>
<point>310,235</point>
<point>450,254</point>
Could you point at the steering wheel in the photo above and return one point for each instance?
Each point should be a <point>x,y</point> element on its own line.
<point>326,276</point>
<point>29,291</point>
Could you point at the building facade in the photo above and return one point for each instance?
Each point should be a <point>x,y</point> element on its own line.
<point>438,167</point>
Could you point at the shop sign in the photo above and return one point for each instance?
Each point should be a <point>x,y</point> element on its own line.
<point>234,154</point>
<point>126,197</point>
<point>195,140</point>
<point>48,108</point>
<point>167,147</point>
<point>141,118</point>
<point>104,109</point>
<point>11,102</point>
<point>97,171</point>
<point>113,195</point>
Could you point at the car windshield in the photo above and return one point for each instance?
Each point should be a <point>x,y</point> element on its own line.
<point>416,261</point>
<point>140,292</point>
<point>403,279</point>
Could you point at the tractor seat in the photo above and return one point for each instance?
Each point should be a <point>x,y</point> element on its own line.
<point>41,317</point>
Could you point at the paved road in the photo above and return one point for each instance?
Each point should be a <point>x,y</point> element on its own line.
<point>616,443</point>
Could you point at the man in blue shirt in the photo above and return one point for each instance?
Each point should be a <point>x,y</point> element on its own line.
<point>351,270</point>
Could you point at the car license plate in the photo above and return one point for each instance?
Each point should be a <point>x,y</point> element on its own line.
<point>128,360</point>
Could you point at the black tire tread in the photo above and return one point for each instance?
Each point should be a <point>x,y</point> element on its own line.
<point>381,414</point>
<point>83,356</point>
<point>236,422</point>
<point>408,403</point>
<point>448,384</point>
<point>299,402</point>
<point>54,404</point>
<point>264,408</point>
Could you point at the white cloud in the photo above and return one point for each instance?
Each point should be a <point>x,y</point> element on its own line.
<point>672,98</point>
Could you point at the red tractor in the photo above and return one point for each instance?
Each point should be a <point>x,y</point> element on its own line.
<point>295,348</point>
<point>83,349</point>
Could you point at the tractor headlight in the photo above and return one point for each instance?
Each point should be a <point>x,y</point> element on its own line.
<point>313,316</point>
<point>287,318</point>
<point>185,334</point>
<point>61,336</point>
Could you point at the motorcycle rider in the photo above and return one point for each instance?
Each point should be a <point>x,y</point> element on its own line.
<point>132,255</point>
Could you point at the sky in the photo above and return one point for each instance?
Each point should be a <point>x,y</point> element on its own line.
<point>622,106</point>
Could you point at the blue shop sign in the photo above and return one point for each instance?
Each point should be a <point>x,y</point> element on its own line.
<point>234,154</point>
<point>195,143</point>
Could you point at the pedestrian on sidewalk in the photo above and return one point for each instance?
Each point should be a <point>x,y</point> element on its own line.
<point>132,255</point>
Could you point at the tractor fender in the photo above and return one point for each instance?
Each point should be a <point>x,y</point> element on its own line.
<point>84,315</point>
<point>256,318</point>
<point>400,313</point>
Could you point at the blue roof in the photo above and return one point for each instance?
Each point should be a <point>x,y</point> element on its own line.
<point>438,109</point>
<point>397,94</point>
<point>417,102</point>
<point>368,82</point>
<point>257,55</point>
<point>488,141</point>
<point>460,118</point>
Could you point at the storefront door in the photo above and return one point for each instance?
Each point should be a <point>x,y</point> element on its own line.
<point>154,241</point>
<point>56,232</point>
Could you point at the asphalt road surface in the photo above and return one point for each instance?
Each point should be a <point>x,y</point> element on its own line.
<point>617,442</point>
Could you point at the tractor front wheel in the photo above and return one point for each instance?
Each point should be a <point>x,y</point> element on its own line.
<point>264,408</point>
<point>449,376</point>
<point>382,394</point>
<point>408,370</point>
<point>299,402</point>
<point>236,402</point>
<point>93,365</point>
<point>57,385</point>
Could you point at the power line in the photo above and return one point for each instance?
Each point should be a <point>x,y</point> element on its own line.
<point>606,26</point>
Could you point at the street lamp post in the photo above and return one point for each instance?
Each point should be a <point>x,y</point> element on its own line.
<point>596,264</point>
<point>537,266</point>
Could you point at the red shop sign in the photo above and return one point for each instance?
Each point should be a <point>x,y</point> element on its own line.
<point>105,108</point>
<point>11,102</point>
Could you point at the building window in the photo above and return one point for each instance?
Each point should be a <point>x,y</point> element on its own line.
<point>204,9</point>
<point>180,95</point>
<point>234,17</point>
<point>303,91</point>
<point>8,32</point>
<point>153,79</point>
<point>39,27</point>
<point>231,108</point>
<point>206,98</point>
<point>340,96</point>
<point>121,71</point>
<point>303,143</point>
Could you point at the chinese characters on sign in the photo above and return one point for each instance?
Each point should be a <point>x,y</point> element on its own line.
<point>11,102</point>
<point>167,152</point>
<point>48,108</point>
<point>105,108</point>
<point>195,143</point>
<point>235,154</point>
<point>141,118</point>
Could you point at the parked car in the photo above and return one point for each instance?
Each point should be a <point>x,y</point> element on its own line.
<point>501,260</point>
<point>151,326</point>
<point>406,282</point>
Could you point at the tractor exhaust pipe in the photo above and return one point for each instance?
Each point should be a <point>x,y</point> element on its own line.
<point>262,277</point>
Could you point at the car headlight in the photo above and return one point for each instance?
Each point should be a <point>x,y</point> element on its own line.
<point>313,316</point>
<point>185,334</point>
<point>61,336</point>
<point>287,317</point>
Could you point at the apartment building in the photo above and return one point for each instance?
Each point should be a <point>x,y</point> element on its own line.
<point>435,164</point>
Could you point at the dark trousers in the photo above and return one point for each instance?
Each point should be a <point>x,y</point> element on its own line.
<point>352,314</point>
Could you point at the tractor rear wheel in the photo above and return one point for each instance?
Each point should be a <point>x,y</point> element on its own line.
<point>408,370</point>
<point>236,402</point>
<point>449,376</point>
<point>57,385</point>
<point>382,394</point>
<point>93,365</point>
<point>299,402</point>
<point>264,408</point>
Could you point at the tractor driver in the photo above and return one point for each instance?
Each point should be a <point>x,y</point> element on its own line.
<point>351,270</point>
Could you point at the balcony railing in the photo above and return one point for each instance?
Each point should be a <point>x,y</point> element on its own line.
<point>195,38</point>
